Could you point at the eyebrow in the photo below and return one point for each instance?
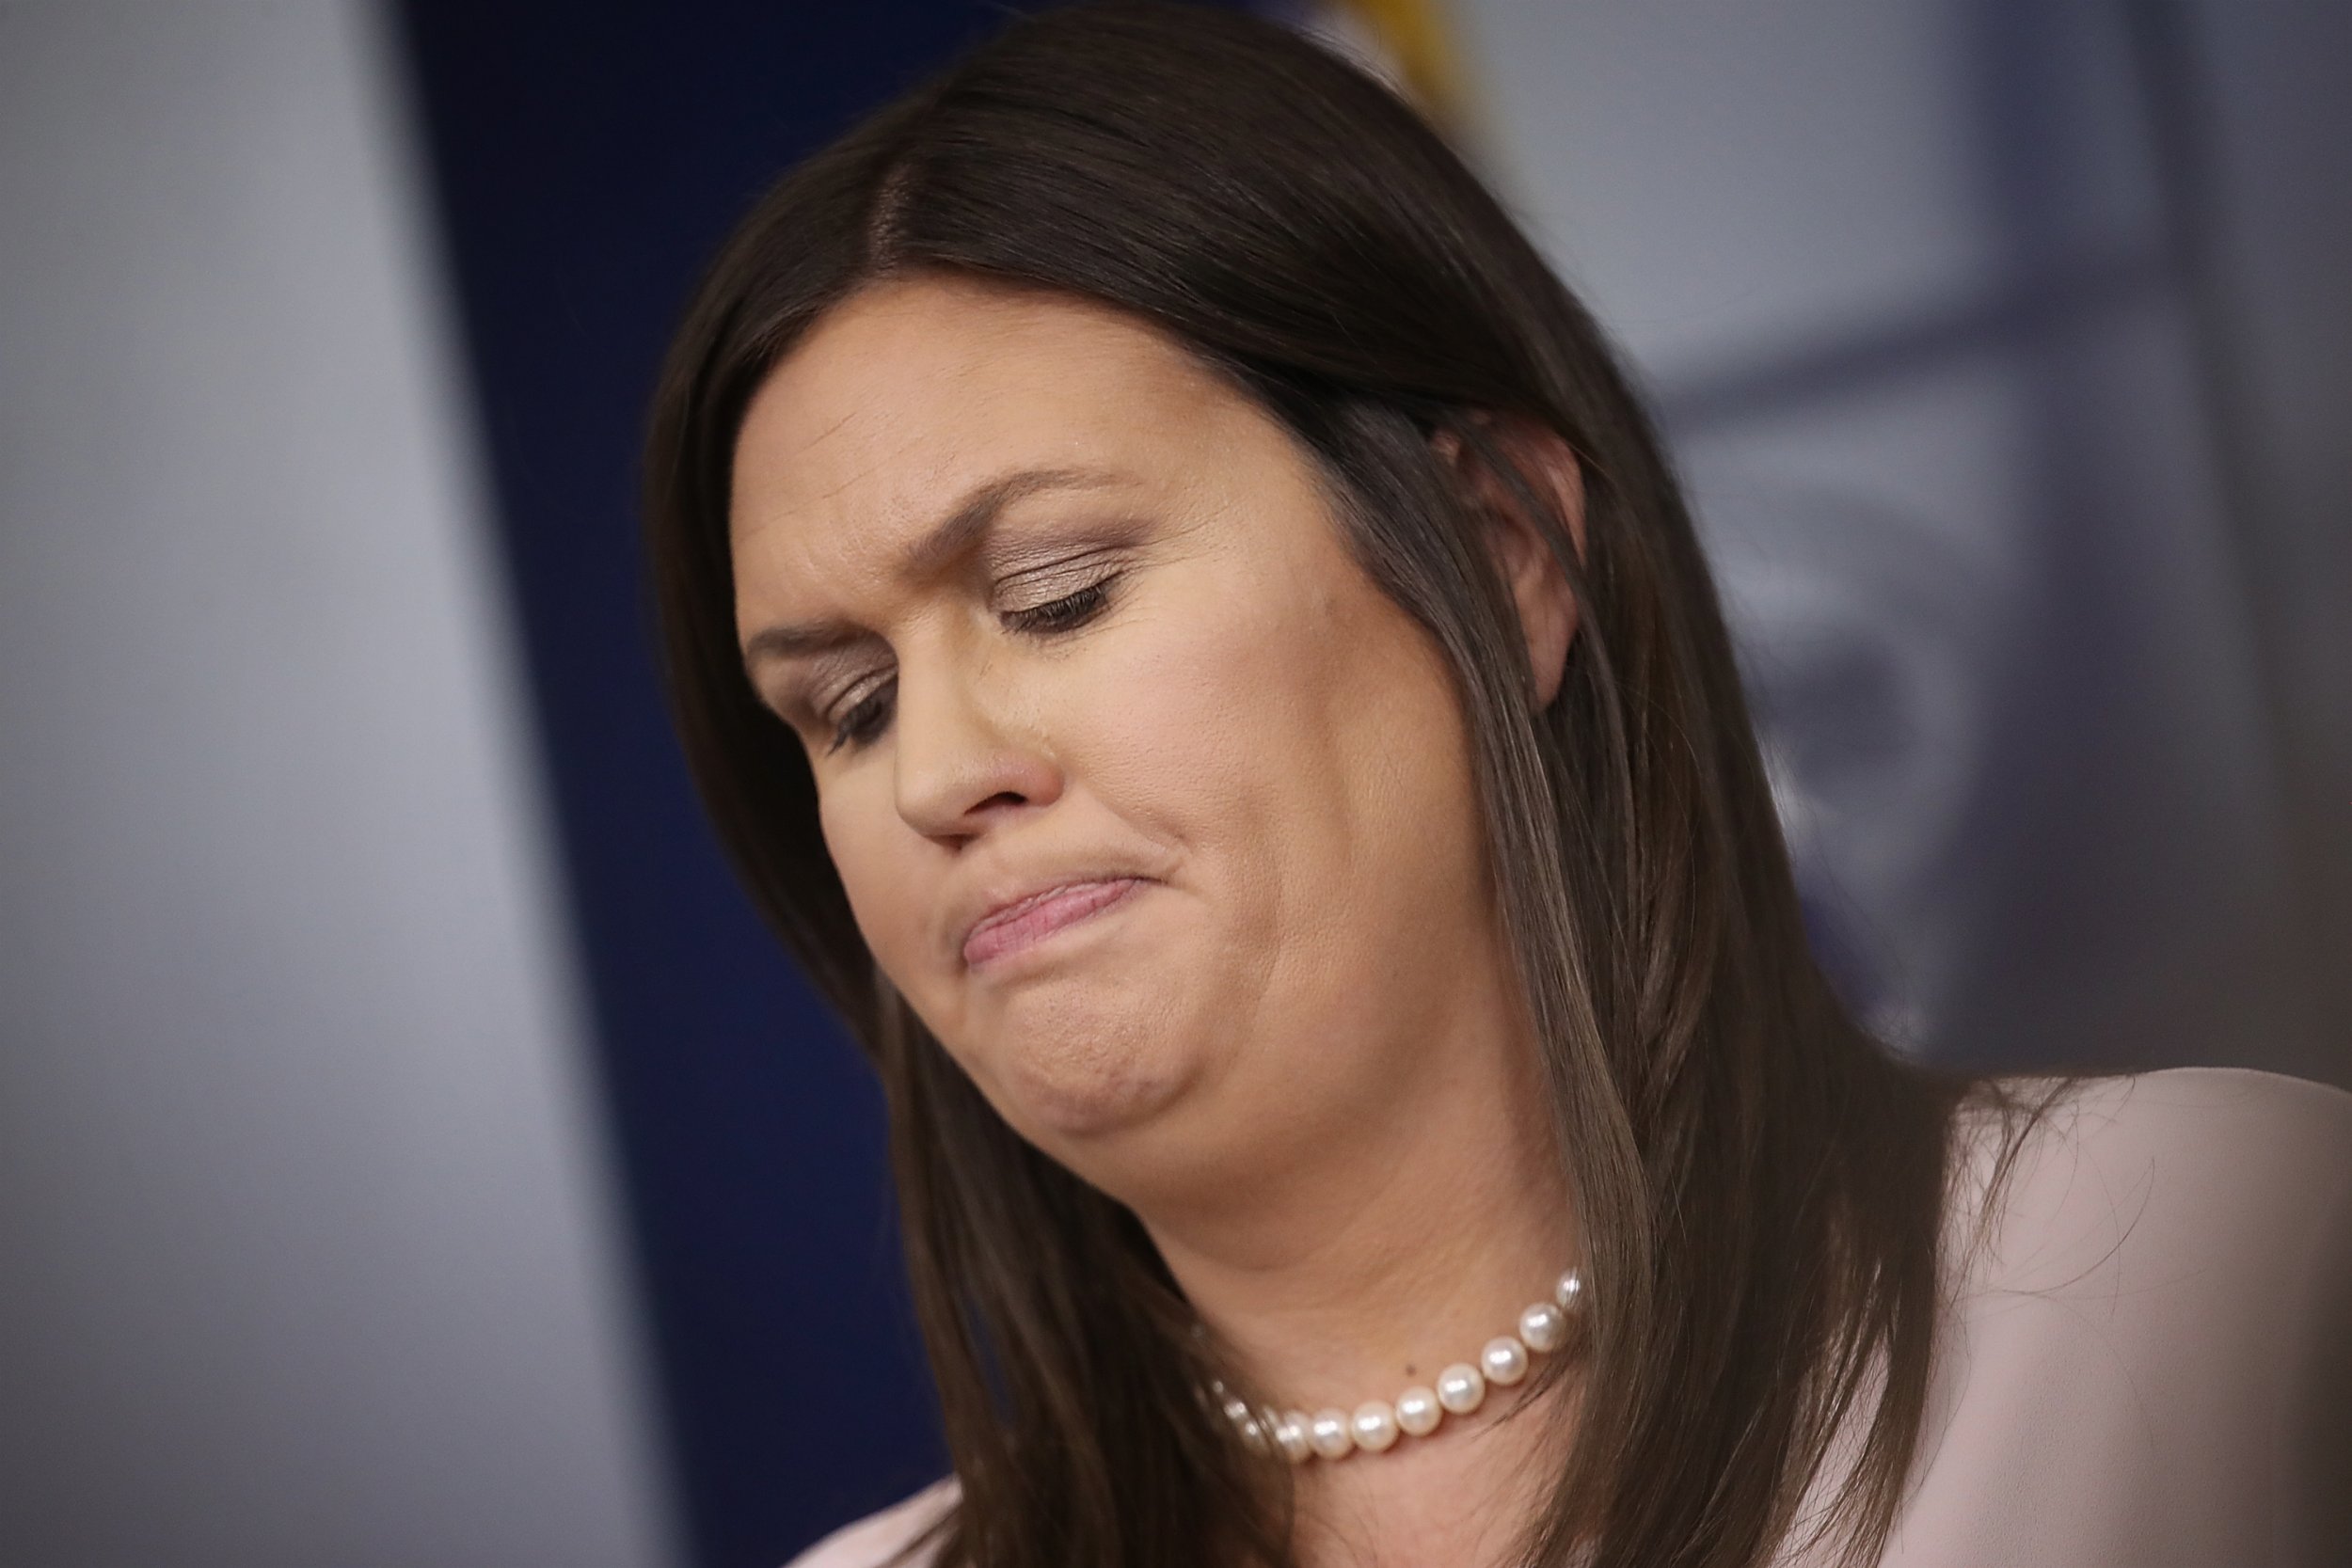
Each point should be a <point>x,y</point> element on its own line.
<point>949,538</point>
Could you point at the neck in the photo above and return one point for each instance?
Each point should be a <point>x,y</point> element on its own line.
<point>1367,1259</point>
<point>1371,1270</point>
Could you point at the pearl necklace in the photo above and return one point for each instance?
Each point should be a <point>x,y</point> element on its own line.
<point>1377,1424</point>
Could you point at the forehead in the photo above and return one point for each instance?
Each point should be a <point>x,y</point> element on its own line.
<point>908,394</point>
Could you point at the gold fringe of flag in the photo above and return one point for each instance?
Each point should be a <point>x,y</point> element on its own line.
<point>1419,39</point>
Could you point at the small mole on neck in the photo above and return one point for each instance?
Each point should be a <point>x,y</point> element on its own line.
<point>1410,1371</point>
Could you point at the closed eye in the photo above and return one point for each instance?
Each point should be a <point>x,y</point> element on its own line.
<point>1066,613</point>
<point>866,717</point>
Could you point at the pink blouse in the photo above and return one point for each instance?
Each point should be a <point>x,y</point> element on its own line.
<point>2146,1361</point>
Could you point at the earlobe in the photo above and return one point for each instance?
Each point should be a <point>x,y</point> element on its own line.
<point>1550,477</point>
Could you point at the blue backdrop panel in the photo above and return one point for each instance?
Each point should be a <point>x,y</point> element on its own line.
<point>588,159</point>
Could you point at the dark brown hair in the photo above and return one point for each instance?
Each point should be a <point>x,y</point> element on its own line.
<point>1759,1182</point>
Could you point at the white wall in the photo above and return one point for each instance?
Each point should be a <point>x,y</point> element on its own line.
<point>1904,278</point>
<point>2278,244</point>
<point>307,1255</point>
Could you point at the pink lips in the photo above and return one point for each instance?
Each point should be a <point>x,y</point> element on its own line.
<point>1032,920</point>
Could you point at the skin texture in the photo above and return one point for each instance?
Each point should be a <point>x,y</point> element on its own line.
<point>1292,1045</point>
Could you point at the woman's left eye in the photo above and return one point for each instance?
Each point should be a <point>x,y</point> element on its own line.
<point>865,718</point>
<point>1066,613</point>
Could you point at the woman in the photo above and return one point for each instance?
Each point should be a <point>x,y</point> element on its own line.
<point>1197,649</point>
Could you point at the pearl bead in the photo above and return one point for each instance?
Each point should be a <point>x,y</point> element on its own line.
<point>1375,1426</point>
<point>1569,1292</point>
<point>1245,1423</point>
<point>1503,1360</point>
<point>1544,1326</point>
<point>1419,1411</point>
<point>1460,1389</point>
<point>1328,1436</point>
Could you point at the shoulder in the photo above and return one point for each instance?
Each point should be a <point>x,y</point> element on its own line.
<point>883,1540</point>
<point>2182,1172</point>
<point>2150,1307</point>
<point>2231,1110</point>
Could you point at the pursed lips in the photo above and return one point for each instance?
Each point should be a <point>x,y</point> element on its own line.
<point>1026,922</point>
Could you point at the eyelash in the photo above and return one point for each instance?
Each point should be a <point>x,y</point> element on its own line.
<point>864,720</point>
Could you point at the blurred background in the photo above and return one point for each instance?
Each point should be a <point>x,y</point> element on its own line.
<point>412,1151</point>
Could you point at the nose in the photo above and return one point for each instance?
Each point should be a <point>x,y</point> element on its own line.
<point>964,759</point>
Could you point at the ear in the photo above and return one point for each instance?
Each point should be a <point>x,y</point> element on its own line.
<point>1539,587</point>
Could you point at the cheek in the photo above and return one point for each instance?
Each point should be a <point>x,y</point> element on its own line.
<point>1298,720</point>
<point>889,895</point>
<point>1329,773</point>
<point>1301,752</point>
<point>1202,727</point>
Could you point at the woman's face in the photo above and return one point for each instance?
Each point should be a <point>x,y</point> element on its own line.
<point>1152,805</point>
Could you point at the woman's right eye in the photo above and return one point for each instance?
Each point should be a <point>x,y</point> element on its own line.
<point>866,716</point>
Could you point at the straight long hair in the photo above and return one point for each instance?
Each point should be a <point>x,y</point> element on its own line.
<point>1759,1182</point>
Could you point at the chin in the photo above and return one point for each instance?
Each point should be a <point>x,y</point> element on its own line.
<point>1067,1085</point>
<point>1081,1047</point>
